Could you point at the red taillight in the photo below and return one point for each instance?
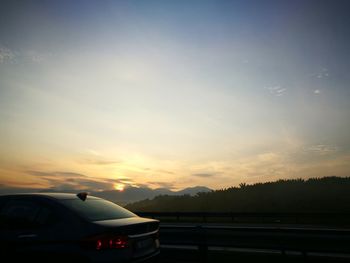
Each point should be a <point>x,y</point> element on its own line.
<point>106,242</point>
<point>98,244</point>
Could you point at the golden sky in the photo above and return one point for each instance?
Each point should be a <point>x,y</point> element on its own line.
<point>108,95</point>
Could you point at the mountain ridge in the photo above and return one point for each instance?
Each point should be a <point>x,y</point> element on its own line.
<point>128,195</point>
<point>134,194</point>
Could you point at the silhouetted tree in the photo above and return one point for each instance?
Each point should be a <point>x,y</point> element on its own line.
<point>328,194</point>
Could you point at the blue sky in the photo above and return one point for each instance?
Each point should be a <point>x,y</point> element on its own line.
<point>173,93</point>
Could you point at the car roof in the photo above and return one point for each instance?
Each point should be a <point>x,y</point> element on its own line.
<point>58,196</point>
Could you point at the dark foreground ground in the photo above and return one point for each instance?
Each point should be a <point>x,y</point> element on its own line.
<point>186,256</point>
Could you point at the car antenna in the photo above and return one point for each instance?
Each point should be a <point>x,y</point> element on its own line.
<point>82,196</point>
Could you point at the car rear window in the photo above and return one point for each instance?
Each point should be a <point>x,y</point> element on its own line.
<point>97,209</point>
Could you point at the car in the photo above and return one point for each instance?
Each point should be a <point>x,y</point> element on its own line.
<point>67,227</point>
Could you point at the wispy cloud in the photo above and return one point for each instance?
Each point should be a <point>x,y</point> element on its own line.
<point>35,56</point>
<point>158,184</point>
<point>55,174</point>
<point>322,73</point>
<point>6,55</point>
<point>99,161</point>
<point>9,56</point>
<point>65,181</point>
<point>321,149</point>
<point>276,90</point>
<point>164,171</point>
<point>205,175</point>
<point>92,152</point>
<point>93,157</point>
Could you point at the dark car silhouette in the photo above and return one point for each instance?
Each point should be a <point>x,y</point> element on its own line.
<point>76,228</point>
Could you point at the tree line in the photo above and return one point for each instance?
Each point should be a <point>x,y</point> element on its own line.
<point>319,195</point>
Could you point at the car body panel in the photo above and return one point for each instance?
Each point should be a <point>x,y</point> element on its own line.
<point>61,232</point>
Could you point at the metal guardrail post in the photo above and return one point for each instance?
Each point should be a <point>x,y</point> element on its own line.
<point>202,243</point>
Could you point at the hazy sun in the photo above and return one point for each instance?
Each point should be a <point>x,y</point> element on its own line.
<point>119,187</point>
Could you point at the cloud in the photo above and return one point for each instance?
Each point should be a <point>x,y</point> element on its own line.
<point>268,157</point>
<point>66,181</point>
<point>165,172</point>
<point>276,90</point>
<point>32,56</point>
<point>317,91</point>
<point>6,55</point>
<point>35,56</point>
<point>321,149</point>
<point>205,175</point>
<point>321,74</point>
<point>55,174</point>
<point>168,185</point>
<point>92,152</point>
<point>93,157</point>
<point>99,161</point>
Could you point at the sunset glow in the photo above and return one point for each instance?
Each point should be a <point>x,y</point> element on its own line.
<point>119,187</point>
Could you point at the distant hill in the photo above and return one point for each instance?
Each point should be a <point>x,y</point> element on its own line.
<point>128,195</point>
<point>133,194</point>
<point>329,194</point>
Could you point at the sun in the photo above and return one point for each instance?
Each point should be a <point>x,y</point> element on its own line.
<point>119,187</point>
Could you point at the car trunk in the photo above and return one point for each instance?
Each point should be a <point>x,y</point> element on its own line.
<point>142,233</point>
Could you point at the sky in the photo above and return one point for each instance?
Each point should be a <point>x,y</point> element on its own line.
<point>103,95</point>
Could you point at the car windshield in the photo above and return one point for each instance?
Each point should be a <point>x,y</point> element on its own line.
<point>98,209</point>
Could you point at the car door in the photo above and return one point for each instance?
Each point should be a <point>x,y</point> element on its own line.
<point>25,226</point>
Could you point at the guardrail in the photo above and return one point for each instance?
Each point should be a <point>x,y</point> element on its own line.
<point>304,243</point>
<point>337,219</point>
<point>204,238</point>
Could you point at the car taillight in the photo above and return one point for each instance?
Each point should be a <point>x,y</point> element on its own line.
<point>106,242</point>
